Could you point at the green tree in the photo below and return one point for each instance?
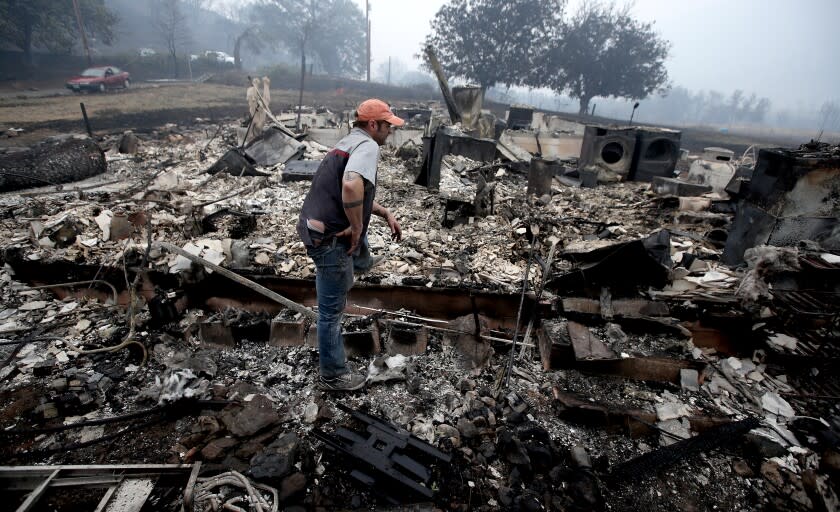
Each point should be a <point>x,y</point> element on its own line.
<point>52,24</point>
<point>329,31</point>
<point>603,51</point>
<point>492,41</point>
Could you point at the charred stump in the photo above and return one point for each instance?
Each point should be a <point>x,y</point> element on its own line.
<point>69,161</point>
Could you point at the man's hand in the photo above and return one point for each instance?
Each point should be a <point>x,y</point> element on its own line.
<point>396,232</point>
<point>355,237</point>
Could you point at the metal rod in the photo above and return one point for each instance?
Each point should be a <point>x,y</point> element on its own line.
<point>396,313</point>
<point>76,283</point>
<point>521,305</point>
<point>262,290</point>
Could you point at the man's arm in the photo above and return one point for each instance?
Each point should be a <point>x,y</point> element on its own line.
<point>381,211</point>
<point>353,197</point>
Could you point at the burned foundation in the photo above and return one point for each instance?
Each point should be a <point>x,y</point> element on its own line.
<point>528,354</point>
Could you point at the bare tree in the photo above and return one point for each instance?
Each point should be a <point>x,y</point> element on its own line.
<point>249,38</point>
<point>306,27</point>
<point>171,25</point>
<point>829,117</point>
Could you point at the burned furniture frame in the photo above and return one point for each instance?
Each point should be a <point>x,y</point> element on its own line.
<point>137,480</point>
<point>383,455</point>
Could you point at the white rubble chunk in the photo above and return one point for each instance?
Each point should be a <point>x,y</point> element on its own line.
<point>671,410</point>
<point>783,341</point>
<point>772,402</point>
<point>33,305</point>
<point>103,220</point>
<point>830,258</point>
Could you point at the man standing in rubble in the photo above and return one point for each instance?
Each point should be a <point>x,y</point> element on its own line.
<point>333,226</point>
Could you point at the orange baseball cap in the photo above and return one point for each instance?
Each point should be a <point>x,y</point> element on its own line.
<point>377,110</point>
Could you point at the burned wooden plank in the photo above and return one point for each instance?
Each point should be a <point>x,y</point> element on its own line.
<point>662,458</point>
<point>553,355</point>
<point>632,421</point>
<point>219,291</point>
<point>650,369</point>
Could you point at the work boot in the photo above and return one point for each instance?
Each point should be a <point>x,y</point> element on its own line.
<point>350,381</point>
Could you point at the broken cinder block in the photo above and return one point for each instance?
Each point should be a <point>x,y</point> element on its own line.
<point>216,334</point>
<point>287,333</point>
<point>407,340</point>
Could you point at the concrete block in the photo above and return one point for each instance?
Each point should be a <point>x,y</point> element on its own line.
<point>407,340</point>
<point>286,333</point>
<point>216,334</point>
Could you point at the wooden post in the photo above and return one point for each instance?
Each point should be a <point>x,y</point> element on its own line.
<point>82,30</point>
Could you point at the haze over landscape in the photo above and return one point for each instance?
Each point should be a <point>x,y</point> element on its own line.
<point>784,51</point>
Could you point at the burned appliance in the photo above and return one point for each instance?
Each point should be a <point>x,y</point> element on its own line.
<point>520,118</point>
<point>447,141</point>
<point>608,147</point>
<point>793,196</point>
<point>657,152</point>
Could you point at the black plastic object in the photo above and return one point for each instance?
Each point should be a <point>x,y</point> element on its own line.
<point>385,458</point>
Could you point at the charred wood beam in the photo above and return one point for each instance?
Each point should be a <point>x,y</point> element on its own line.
<point>454,113</point>
<point>662,458</point>
<point>635,422</point>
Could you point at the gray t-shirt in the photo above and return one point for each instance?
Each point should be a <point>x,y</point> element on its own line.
<point>364,153</point>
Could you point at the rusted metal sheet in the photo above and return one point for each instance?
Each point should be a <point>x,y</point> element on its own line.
<point>708,337</point>
<point>39,479</point>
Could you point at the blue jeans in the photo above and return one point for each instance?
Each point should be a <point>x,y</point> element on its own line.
<point>333,279</point>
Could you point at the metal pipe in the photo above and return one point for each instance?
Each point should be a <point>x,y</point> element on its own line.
<point>75,283</point>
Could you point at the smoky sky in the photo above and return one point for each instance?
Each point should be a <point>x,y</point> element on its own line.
<point>784,50</point>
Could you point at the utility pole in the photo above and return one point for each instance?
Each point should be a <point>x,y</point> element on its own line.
<point>367,15</point>
<point>389,70</point>
<point>82,30</point>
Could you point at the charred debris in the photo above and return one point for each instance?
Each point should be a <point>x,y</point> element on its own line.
<point>579,318</point>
